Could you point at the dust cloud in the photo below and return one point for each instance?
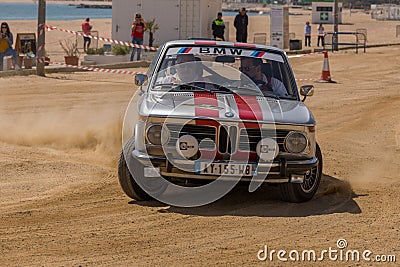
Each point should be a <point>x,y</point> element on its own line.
<point>95,131</point>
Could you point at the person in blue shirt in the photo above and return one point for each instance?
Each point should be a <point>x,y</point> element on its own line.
<point>307,33</point>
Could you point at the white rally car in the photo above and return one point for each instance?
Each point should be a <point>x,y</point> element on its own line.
<point>211,113</point>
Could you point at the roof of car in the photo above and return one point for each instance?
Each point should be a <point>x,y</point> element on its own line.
<point>223,43</point>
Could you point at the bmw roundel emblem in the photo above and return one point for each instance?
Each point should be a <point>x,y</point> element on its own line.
<point>229,114</point>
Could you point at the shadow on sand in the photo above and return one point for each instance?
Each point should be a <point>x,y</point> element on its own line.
<point>333,196</point>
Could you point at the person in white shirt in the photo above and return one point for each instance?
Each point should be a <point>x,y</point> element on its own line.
<point>252,67</point>
<point>321,33</point>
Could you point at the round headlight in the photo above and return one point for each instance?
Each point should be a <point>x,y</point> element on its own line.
<point>295,142</point>
<point>157,134</point>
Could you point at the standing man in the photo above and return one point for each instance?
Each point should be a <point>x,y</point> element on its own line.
<point>86,27</point>
<point>218,27</point>
<point>138,28</point>
<point>241,22</point>
<point>307,33</point>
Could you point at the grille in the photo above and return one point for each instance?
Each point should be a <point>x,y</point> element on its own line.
<point>227,139</point>
<point>205,135</point>
<point>249,138</point>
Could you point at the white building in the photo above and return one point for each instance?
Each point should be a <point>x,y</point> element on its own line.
<point>385,12</point>
<point>323,12</point>
<point>177,19</point>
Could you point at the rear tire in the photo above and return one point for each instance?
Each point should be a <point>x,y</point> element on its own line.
<point>130,186</point>
<point>303,192</point>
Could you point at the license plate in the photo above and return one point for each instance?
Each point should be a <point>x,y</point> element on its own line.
<point>228,169</point>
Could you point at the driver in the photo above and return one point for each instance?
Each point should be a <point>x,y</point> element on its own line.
<point>187,70</point>
<point>252,67</point>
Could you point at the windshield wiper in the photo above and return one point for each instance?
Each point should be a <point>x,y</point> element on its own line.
<point>166,84</point>
<point>191,85</point>
<point>269,94</point>
<point>259,92</point>
<point>187,86</point>
<point>290,97</point>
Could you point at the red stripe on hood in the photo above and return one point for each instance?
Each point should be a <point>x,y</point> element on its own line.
<point>248,107</point>
<point>206,99</point>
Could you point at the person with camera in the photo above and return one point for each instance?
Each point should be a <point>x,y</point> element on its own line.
<point>6,42</point>
<point>138,28</point>
<point>86,27</point>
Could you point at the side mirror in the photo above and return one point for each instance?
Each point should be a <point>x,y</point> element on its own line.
<point>306,90</point>
<point>140,79</point>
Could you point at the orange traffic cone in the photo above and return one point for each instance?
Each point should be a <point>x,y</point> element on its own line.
<point>326,73</point>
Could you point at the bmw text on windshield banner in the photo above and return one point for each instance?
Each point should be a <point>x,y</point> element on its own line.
<point>229,51</point>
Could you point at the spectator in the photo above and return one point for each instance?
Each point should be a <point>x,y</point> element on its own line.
<point>86,27</point>
<point>241,23</point>
<point>252,67</point>
<point>321,33</point>
<point>138,28</point>
<point>6,42</point>
<point>218,27</point>
<point>307,34</point>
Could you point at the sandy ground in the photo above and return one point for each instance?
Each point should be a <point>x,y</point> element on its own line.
<point>61,204</point>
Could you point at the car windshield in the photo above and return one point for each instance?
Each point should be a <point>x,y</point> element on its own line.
<point>224,70</point>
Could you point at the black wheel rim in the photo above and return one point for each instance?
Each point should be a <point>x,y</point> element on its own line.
<point>310,180</point>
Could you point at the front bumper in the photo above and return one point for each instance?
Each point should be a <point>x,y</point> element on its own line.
<point>278,171</point>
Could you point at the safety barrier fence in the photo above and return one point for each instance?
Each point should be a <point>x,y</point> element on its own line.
<point>356,40</point>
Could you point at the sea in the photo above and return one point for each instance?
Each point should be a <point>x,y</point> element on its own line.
<point>29,11</point>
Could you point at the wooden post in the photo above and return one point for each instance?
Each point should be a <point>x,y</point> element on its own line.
<point>336,25</point>
<point>41,38</point>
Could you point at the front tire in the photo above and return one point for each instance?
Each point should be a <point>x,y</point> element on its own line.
<point>148,187</point>
<point>303,192</point>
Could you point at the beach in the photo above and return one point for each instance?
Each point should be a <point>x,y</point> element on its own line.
<point>60,139</point>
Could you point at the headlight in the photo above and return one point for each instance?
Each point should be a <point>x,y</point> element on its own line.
<point>295,142</point>
<point>156,134</point>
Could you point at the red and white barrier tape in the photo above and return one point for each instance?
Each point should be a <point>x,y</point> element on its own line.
<point>53,28</point>
<point>115,71</point>
<point>97,69</point>
<point>90,68</point>
<point>305,55</point>
<point>41,28</point>
<point>306,79</point>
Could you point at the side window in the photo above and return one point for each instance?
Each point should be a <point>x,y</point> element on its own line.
<point>154,62</point>
<point>166,68</point>
<point>283,76</point>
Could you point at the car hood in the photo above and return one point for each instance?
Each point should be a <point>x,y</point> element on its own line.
<point>225,107</point>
